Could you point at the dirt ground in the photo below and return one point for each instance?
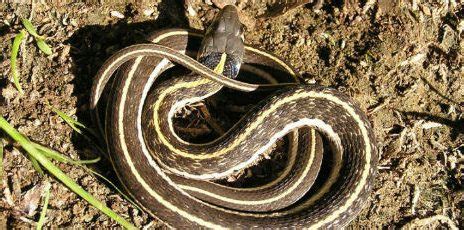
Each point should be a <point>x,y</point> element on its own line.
<point>401,60</point>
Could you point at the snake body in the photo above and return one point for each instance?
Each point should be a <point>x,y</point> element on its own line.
<point>171,178</point>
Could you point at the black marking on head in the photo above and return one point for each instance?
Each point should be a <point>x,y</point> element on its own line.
<point>231,65</point>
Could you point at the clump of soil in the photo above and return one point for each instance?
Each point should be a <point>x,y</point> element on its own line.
<point>401,62</point>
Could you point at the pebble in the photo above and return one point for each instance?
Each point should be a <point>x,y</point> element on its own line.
<point>300,41</point>
<point>15,152</point>
<point>449,38</point>
<point>73,22</point>
<point>426,10</point>
<point>116,14</point>
<point>191,11</point>
<point>430,125</point>
<point>64,20</point>
<point>64,53</point>
<point>460,27</point>
<point>34,94</point>
<point>36,122</point>
<point>221,3</point>
<point>9,92</point>
<point>148,12</point>
<point>342,44</point>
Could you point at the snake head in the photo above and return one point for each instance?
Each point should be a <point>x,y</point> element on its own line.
<point>222,48</point>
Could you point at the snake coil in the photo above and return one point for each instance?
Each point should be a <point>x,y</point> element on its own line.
<point>170,178</point>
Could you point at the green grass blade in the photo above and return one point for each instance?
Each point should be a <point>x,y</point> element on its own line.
<point>85,162</point>
<point>55,155</point>
<point>43,46</point>
<point>1,162</point>
<point>43,213</point>
<point>30,28</point>
<point>40,40</point>
<point>72,122</point>
<point>51,154</point>
<point>13,58</point>
<point>60,175</point>
<point>76,125</point>
<point>69,120</point>
<point>35,164</point>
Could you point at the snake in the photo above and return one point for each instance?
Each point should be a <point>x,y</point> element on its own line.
<point>332,152</point>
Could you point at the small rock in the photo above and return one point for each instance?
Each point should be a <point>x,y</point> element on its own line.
<point>431,124</point>
<point>357,19</point>
<point>191,11</point>
<point>310,81</point>
<point>460,27</point>
<point>148,12</point>
<point>116,14</point>
<point>426,10</point>
<point>300,41</point>
<point>449,38</point>
<point>73,22</point>
<point>64,54</point>
<point>15,152</point>
<point>34,95</point>
<point>416,59</point>
<point>30,201</point>
<point>221,3</point>
<point>36,122</point>
<point>342,44</point>
<point>64,20</point>
<point>9,93</point>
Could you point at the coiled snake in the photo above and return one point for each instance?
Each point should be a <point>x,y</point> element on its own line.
<point>171,178</point>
